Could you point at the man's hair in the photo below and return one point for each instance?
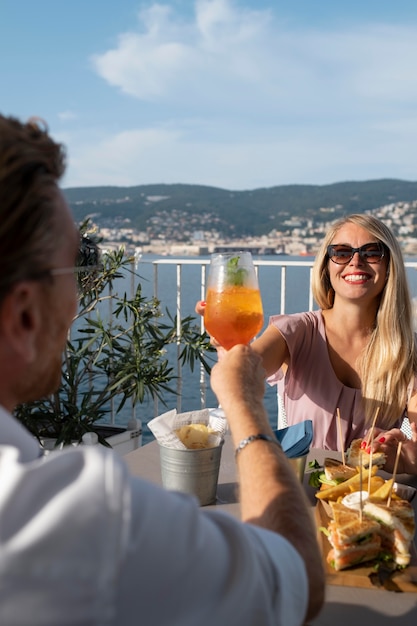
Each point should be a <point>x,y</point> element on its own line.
<point>31,164</point>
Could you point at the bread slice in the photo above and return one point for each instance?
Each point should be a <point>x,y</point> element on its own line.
<point>347,528</point>
<point>336,470</point>
<point>399,515</point>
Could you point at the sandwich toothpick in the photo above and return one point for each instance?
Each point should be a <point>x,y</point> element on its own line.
<point>370,442</point>
<point>397,458</point>
<point>373,423</point>
<point>339,427</point>
<point>360,486</point>
<point>370,463</point>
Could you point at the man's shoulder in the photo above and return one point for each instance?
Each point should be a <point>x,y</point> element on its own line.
<point>65,528</point>
<point>65,480</point>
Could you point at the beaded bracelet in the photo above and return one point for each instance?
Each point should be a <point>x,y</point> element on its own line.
<point>251,438</point>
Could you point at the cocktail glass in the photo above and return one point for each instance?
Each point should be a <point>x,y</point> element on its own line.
<point>233,312</point>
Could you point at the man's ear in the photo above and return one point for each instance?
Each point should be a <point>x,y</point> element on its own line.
<point>21,319</point>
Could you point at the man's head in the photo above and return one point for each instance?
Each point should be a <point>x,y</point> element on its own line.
<point>37,236</point>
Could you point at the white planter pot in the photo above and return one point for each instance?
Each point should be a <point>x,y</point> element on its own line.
<point>122,440</point>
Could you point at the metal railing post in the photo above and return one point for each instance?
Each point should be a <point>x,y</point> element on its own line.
<point>202,329</point>
<point>178,314</point>
<point>283,288</point>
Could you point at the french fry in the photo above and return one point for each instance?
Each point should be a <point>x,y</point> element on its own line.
<point>383,492</point>
<point>376,482</point>
<point>352,484</point>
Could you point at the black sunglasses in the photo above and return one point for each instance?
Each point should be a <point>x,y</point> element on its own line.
<point>369,253</point>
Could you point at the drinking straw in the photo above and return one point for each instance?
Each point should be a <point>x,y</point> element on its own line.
<point>339,426</point>
<point>397,458</point>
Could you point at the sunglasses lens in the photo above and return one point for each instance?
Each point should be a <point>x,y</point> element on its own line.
<point>370,253</point>
<point>340,254</point>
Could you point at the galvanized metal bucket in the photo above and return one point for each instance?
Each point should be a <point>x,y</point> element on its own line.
<point>195,472</point>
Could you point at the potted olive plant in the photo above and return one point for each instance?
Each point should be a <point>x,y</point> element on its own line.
<point>116,352</point>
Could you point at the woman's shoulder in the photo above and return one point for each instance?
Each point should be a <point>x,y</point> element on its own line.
<point>305,318</point>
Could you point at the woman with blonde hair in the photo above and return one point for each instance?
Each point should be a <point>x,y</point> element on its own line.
<point>387,364</point>
<point>356,355</point>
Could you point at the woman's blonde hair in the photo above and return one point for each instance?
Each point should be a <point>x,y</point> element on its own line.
<point>389,362</point>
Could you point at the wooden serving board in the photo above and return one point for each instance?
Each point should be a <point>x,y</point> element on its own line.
<point>365,575</point>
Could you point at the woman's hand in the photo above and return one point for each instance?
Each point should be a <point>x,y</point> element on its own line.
<point>387,442</point>
<point>200,308</point>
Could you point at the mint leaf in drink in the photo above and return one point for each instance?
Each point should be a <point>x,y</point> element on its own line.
<point>235,275</point>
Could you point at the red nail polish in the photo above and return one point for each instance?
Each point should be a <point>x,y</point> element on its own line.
<point>363,445</point>
<point>368,450</point>
<point>381,439</point>
<point>203,303</point>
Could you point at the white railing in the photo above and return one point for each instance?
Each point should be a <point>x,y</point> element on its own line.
<point>179,263</point>
<point>282,265</point>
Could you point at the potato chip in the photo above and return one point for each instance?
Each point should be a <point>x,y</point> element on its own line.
<point>194,436</point>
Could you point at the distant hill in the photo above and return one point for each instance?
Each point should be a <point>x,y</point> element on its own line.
<point>234,213</point>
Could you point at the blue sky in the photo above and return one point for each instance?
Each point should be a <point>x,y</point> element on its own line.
<point>238,94</point>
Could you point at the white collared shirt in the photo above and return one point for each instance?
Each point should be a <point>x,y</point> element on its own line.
<point>84,543</point>
<point>13,433</point>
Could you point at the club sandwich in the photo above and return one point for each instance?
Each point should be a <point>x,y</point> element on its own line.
<point>353,541</point>
<point>357,456</point>
<point>397,527</point>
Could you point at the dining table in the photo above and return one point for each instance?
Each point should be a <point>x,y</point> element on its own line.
<point>344,604</point>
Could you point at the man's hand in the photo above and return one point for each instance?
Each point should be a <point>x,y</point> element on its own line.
<point>271,495</point>
<point>239,378</point>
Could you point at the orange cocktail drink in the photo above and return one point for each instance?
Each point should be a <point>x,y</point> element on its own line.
<point>233,312</point>
<point>233,315</point>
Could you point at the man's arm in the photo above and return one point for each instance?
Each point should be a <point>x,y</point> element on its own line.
<point>270,494</point>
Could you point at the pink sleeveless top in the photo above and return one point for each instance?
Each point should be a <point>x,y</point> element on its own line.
<point>310,388</point>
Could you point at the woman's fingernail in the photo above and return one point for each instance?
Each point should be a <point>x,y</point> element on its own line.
<point>368,450</point>
<point>203,303</point>
<point>363,445</point>
<point>381,439</point>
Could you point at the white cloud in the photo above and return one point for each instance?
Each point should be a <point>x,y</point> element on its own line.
<point>66,116</point>
<point>120,159</point>
<point>174,59</point>
<point>244,100</point>
<point>322,155</point>
<point>228,56</point>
